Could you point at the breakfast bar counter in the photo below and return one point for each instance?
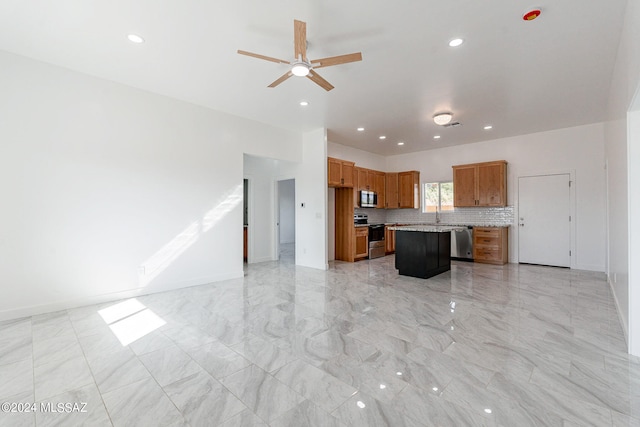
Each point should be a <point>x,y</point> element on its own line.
<point>423,251</point>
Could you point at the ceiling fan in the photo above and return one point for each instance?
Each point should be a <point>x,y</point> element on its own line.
<point>301,66</point>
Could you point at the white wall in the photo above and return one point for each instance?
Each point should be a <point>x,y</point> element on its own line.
<point>620,146</point>
<point>287,209</point>
<point>578,150</point>
<point>100,180</point>
<point>311,191</point>
<point>363,159</point>
<point>617,212</point>
<point>634,229</point>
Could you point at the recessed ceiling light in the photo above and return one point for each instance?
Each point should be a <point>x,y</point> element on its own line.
<point>436,137</point>
<point>304,103</point>
<point>134,38</point>
<point>360,129</point>
<point>456,42</point>
<point>487,127</point>
<point>382,137</point>
<point>400,143</point>
<point>488,411</point>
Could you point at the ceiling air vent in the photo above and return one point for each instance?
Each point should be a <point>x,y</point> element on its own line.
<point>452,125</point>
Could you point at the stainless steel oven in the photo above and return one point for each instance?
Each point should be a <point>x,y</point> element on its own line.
<point>376,241</point>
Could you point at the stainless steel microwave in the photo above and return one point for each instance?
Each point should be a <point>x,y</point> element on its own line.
<point>368,199</point>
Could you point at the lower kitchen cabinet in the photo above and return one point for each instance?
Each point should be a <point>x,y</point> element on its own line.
<point>490,245</point>
<point>389,240</point>
<point>362,242</point>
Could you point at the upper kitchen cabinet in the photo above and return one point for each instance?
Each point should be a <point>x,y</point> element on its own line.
<point>340,173</point>
<point>369,180</point>
<point>380,188</point>
<point>361,179</point>
<point>480,184</point>
<point>409,189</point>
<point>391,191</point>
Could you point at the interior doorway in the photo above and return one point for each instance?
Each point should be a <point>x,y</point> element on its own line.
<point>544,220</point>
<point>245,222</point>
<point>286,219</point>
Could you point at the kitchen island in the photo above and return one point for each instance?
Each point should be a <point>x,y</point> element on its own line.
<point>423,251</point>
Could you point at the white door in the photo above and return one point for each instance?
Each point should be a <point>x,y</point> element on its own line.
<point>544,222</point>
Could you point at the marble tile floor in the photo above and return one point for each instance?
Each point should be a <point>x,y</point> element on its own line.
<point>356,345</point>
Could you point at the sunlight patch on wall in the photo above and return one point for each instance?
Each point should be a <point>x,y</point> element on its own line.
<point>162,259</point>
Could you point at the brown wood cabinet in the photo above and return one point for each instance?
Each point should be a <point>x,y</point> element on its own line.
<point>366,179</point>
<point>361,242</point>
<point>490,245</point>
<point>391,191</point>
<point>245,244</point>
<point>480,184</point>
<point>345,230</point>
<point>362,176</point>
<point>389,240</point>
<point>409,189</point>
<point>340,173</point>
<point>369,180</point>
<point>380,188</point>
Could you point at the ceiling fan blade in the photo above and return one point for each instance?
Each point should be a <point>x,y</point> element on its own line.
<point>281,79</point>
<point>336,60</point>
<point>300,39</point>
<point>313,76</point>
<point>266,58</point>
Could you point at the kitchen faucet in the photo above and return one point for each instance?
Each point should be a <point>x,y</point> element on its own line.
<point>437,216</point>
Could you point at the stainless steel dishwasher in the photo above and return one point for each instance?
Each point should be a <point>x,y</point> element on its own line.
<point>462,244</point>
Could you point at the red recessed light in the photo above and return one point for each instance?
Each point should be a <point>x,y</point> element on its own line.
<point>531,15</point>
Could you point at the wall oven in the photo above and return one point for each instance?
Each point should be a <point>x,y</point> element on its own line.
<point>376,241</point>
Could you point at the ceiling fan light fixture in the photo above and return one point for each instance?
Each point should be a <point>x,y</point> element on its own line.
<point>442,118</point>
<point>300,69</point>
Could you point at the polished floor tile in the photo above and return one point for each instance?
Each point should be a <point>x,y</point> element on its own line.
<point>261,392</point>
<point>201,399</point>
<point>142,403</point>
<point>356,345</point>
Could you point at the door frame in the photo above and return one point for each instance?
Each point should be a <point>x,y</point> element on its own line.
<point>250,221</point>
<point>573,259</point>
<point>276,213</point>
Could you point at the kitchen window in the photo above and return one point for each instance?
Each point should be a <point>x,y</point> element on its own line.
<point>438,197</point>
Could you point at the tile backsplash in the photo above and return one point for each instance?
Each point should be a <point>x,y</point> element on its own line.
<point>468,216</point>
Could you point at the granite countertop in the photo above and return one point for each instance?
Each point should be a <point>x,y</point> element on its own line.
<point>448,224</point>
<point>394,225</point>
<point>427,228</point>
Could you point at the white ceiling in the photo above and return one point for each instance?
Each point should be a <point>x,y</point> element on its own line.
<point>521,77</point>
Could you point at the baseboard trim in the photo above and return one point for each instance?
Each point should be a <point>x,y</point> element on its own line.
<point>17,313</point>
<point>589,267</point>
<point>625,327</point>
